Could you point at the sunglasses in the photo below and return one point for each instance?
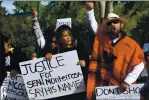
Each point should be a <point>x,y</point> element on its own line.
<point>113,21</point>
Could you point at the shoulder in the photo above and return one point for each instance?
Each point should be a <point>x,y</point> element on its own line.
<point>132,44</point>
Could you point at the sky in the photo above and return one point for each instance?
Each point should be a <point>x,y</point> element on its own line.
<point>8,4</point>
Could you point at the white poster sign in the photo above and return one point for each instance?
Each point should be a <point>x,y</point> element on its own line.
<point>13,88</point>
<point>63,21</point>
<point>113,92</point>
<point>58,77</point>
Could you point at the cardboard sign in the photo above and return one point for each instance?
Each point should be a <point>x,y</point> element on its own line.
<point>58,77</point>
<point>113,92</point>
<point>13,88</point>
<point>63,21</point>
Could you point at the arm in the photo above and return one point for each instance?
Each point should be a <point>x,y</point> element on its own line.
<point>37,31</point>
<point>91,16</point>
<point>137,61</point>
<point>134,74</point>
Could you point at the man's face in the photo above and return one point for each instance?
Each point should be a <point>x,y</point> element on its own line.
<point>114,27</point>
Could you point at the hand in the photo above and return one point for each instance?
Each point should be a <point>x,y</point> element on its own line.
<point>81,63</point>
<point>49,56</point>
<point>13,73</point>
<point>35,14</point>
<point>89,5</point>
<point>124,86</point>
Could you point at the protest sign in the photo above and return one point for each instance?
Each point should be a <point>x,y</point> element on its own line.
<point>58,77</point>
<point>3,88</point>
<point>113,92</point>
<point>13,88</point>
<point>63,21</point>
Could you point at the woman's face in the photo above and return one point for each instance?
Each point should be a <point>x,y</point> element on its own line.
<point>66,38</point>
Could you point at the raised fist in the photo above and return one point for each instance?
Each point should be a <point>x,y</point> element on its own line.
<point>89,5</point>
<point>35,14</point>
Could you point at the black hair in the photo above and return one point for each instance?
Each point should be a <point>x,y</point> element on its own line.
<point>59,32</point>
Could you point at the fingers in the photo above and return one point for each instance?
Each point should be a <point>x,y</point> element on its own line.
<point>81,63</point>
<point>123,86</point>
<point>89,5</point>
<point>35,14</point>
<point>49,56</point>
<point>13,73</point>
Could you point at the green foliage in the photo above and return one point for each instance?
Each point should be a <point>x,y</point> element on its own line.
<point>24,6</point>
<point>19,29</point>
<point>136,17</point>
<point>19,26</point>
<point>74,10</point>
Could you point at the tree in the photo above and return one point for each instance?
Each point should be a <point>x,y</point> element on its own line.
<point>24,6</point>
<point>19,26</point>
<point>137,19</point>
<point>19,29</point>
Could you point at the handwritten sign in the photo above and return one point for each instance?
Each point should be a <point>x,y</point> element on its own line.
<point>13,88</point>
<point>63,21</point>
<point>3,89</point>
<point>58,77</point>
<point>113,92</point>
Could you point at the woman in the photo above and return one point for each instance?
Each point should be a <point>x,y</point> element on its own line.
<point>65,43</point>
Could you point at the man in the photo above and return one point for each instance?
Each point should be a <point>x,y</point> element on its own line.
<point>116,58</point>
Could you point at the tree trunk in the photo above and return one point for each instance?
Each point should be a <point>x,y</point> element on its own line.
<point>109,8</point>
<point>103,6</point>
